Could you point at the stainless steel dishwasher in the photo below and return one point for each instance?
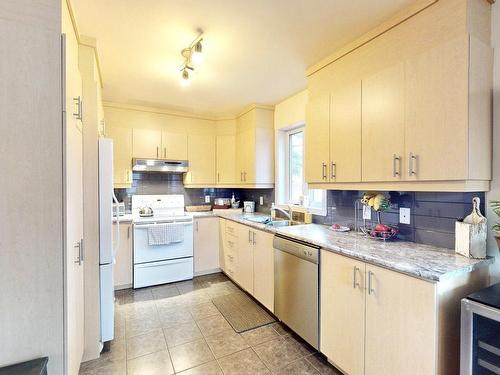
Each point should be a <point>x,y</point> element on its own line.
<point>296,287</point>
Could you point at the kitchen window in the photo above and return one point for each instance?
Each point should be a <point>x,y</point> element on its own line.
<point>291,185</point>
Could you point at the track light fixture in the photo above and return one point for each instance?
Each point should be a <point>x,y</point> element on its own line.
<point>193,56</point>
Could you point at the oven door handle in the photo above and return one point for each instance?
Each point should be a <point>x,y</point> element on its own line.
<point>161,263</point>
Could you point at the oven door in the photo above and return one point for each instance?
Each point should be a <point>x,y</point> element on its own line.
<point>144,253</point>
<point>480,339</point>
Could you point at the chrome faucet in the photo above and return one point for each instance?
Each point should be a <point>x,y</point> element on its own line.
<point>287,214</point>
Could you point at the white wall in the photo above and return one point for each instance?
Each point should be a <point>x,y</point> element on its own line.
<point>495,186</point>
<point>31,232</point>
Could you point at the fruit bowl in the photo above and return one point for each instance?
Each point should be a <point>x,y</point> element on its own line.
<point>381,232</point>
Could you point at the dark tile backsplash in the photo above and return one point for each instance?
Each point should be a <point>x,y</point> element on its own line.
<point>162,183</point>
<point>433,214</point>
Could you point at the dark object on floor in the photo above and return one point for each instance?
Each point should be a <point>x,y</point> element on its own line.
<point>34,367</point>
<point>242,312</point>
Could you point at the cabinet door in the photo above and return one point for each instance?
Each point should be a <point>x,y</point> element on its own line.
<point>123,268</point>
<point>436,131</point>
<point>174,145</point>
<point>206,245</point>
<point>201,156</point>
<point>343,279</point>
<point>122,154</point>
<point>345,133</point>
<point>226,153</point>
<point>263,269</point>
<point>245,156</point>
<point>317,143</point>
<point>146,143</point>
<point>383,116</point>
<point>244,275</point>
<point>401,321</point>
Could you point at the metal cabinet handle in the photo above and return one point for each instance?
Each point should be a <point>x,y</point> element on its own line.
<point>79,246</point>
<point>128,232</point>
<point>412,161</point>
<point>78,102</point>
<point>245,176</point>
<point>354,278</point>
<point>333,171</point>
<point>396,171</point>
<point>218,177</point>
<point>196,225</point>
<point>250,236</point>
<point>370,289</point>
<point>253,238</point>
<point>324,170</point>
<point>241,176</point>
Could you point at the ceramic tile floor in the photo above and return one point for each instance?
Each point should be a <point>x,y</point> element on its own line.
<point>176,329</point>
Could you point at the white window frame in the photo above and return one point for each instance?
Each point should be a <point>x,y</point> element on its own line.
<point>282,164</point>
<point>287,182</point>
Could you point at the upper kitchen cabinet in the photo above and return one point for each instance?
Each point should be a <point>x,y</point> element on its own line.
<point>226,164</point>
<point>174,145</point>
<point>333,135</point>
<point>146,143</point>
<point>255,148</point>
<point>345,132</point>
<point>159,144</point>
<point>317,141</point>
<point>201,156</point>
<point>425,108</point>
<point>122,155</point>
<point>383,117</point>
<point>442,104</point>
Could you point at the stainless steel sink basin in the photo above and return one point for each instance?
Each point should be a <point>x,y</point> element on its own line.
<point>280,223</point>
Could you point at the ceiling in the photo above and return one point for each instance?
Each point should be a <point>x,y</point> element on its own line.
<point>254,51</point>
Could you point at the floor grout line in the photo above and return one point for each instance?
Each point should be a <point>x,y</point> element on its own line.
<point>188,301</point>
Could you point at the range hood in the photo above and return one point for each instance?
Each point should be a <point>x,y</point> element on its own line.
<point>160,165</point>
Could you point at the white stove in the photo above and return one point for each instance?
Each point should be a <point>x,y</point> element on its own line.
<point>163,242</point>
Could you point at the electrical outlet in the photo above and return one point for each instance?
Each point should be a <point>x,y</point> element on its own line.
<point>207,198</point>
<point>367,213</point>
<point>404,215</point>
<point>261,201</point>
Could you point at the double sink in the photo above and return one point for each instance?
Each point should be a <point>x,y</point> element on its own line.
<point>267,220</point>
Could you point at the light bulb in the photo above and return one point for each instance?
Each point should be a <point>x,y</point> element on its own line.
<point>185,78</point>
<point>197,54</point>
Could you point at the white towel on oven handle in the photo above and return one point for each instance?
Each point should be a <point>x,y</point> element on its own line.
<point>165,233</point>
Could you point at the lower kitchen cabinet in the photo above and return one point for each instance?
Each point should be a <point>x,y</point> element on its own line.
<point>248,259</point>
<point>376,321</point>
<point>222,251</point>
<point>343,279</point>
<point>401,324</point>
<point>123,267</point>
<point>244,276</point>
<point>263,269</point>
<point>389,319</point>
<point>206,245</point>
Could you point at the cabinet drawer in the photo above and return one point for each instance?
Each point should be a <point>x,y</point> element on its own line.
<point>230,260</point>
<point>231,227</point>
<point>231,243</point>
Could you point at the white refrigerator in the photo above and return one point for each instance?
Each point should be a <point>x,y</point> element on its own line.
<point>107,250</point>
